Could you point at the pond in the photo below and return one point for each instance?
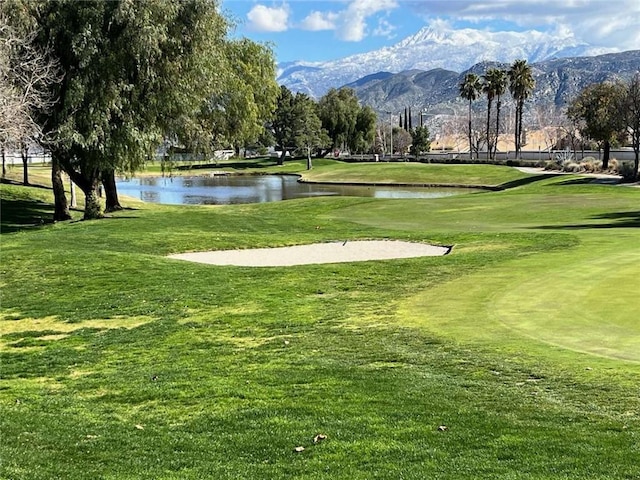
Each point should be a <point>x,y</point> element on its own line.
<point>238,189</point>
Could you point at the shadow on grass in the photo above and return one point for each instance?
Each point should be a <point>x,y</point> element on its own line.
<point>526,181</point>
<point>24,214</point>
<point>590,181</point>
<point>617,220</point>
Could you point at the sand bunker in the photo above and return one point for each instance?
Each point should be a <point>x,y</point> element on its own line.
<point>334,252</point>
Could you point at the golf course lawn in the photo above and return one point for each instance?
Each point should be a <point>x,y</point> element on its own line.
<point>516,356</point>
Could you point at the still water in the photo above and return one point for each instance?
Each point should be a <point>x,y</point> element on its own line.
<point>237,189</point>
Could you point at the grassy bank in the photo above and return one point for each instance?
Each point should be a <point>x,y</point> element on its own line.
<point>516,356</point>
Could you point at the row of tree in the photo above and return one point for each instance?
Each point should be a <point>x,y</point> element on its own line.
<point>518,79</point>
<point>335,122</point>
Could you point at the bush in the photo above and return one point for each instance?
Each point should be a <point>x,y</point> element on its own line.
<point>626,170</point>
<point>591,165</point>
<point>551,165</point>
<point>572,167</point>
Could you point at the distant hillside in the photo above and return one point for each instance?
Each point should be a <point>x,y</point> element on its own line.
<point>557,82</point>
<point>431,48</point>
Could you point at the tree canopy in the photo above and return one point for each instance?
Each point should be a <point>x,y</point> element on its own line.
<point>347,123</point>
<point>137,73</point>
<point>596,111</point>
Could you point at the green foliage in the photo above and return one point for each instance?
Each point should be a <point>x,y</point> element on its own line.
<point>283,120</point>
<point>239,111</point>
<point>365,130</point>
<point>630,106</point>
<point>136,73</point>
<point>347,123</point>
<point>597,110</point>
<point>296,124</point>
<point>308,134</point>
<point>420,140</point>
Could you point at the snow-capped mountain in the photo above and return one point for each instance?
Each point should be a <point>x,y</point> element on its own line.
<point>435,47</point>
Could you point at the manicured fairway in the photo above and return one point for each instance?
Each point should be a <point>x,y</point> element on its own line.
<point>513,357</point>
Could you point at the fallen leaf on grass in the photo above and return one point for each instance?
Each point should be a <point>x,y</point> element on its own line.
<point>318,438</point>
<point>298,449</point>
<point>139,427</point>
<point>443,428</point>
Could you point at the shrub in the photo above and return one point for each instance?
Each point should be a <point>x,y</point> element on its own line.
<point>551,165</point>
<point>572,167</point>
<point>625,169</point>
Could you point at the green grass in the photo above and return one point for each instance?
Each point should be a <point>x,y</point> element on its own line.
<point>118,363</point>
<point>327,170</point>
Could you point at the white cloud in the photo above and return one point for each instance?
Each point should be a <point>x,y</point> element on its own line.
<point>384,29</point>
<point>317,21</point>
<point>353,21</point>
<point>608,23</point>
<point>269,19</point>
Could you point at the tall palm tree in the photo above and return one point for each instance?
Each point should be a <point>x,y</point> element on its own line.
<point>499,80</point>
<point>494,84</point>
<point>470,90</point>
<point>521,85</point>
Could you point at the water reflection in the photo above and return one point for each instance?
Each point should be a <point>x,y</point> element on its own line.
<point>239,189</point>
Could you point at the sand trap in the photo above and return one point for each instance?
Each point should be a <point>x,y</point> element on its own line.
<point>334,252</point>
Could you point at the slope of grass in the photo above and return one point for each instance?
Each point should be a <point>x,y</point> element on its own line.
<point>119,363</point>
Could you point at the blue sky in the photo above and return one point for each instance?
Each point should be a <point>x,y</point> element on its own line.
<point>325,30</point>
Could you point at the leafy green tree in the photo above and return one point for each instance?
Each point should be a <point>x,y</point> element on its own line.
<point>365,130</point>
<point>308,134</point>
<point>241,110</point>
<point>521,85</point>
<point>134,74</point>
<point>596,109</point>
<point>631,111</point>
<point>470,89</point>
<point>420,141</point>
<point>338,111</point>
<point>283,121</point>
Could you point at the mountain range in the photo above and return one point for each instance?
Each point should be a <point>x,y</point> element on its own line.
<point>435,47</point>
<point>558,81</point>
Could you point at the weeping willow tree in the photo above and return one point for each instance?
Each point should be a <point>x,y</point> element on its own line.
<point>137,73</point>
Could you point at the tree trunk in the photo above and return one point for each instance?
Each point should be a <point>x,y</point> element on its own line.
<point>72,190</point>
<point>281,157</point>
<point>110,191</point>
<point>92,208</point>
<point>470,143</point>
<point>87,179</point>
<point>24,152</point>
<point>4,162</point>
<point>61,209</point>
<point>605,158</point>
<point>309,165</point>
<point>495,145</point>
<point>489,146</point>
